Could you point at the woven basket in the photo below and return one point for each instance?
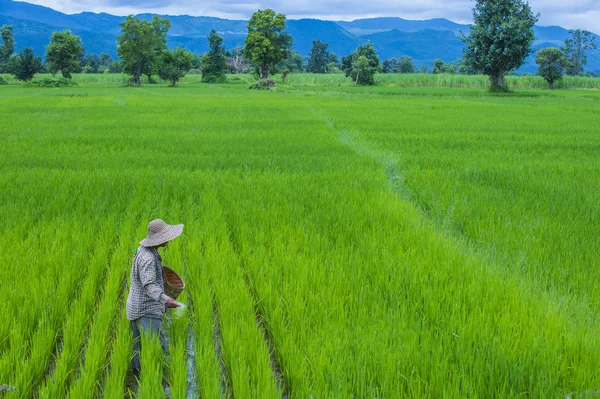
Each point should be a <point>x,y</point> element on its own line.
<point>174,284</point>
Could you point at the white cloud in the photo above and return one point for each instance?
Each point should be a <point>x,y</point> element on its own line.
<point>584,14</point>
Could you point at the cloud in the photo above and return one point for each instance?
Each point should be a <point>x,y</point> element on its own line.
<point>583,14</point>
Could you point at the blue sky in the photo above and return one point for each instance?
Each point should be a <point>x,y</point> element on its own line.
<point>583,14</point>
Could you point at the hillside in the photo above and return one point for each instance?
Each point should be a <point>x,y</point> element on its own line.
<point>392,37</point>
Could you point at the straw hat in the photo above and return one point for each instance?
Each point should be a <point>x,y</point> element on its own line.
<point>160,232</point>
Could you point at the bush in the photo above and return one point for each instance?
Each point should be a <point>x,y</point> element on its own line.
<point>51,82</point>
<point>262,84</point>
<point>2,81</point>
<point>239,79</point>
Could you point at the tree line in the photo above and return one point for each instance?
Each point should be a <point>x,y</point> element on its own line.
<point>498,43</point>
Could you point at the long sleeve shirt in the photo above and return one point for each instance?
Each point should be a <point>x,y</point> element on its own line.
<point>146,294</point>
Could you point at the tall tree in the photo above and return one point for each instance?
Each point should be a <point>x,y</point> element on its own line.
<point>354,66</point>
<point>294,62</point>
<point>267,42</point>
<point>7,48</point>
<point>406,65</point>
<point>175,64</point>
<point>25,65</point>
<point>551,65</point>
<point>141,44</point>
<point>214,63</point>
<point>318,58</point>
<point>575,48</point>
<point>501,38</point>
<point>160,26</point>
<point>63,53</point>
<point>91,63</point>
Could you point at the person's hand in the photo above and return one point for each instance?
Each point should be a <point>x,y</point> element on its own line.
<point>172,303</point>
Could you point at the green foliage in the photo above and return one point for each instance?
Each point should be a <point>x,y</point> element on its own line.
<point>2,81</point>
<point>293,62</point>
<point>7,48</point>
<point>25,64</point>
<point>575,48</point>
<point>63,53</point>
<point>501,38</point>
<point>362,70</point>
<point>214,63</point>
<point>318,58</point>
<point>94,63</point>
<point>51,82</point>
<point>141,44</point>
<point>267,43</point>
<point>551,64</point>
<point>440,67</point>
<point>175,64</point>
<point>404,64</point>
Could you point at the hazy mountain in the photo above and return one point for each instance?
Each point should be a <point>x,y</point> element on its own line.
<point>361,27</point>
<point>392,37</point>
<point>423,46</point>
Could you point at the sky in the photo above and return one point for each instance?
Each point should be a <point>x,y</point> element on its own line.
<point>583,14</point>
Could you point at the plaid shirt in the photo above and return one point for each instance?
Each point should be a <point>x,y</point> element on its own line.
<point>146,295</point>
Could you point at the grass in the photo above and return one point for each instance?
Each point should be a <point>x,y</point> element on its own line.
<point>328,80</point>
<point>394,241</point>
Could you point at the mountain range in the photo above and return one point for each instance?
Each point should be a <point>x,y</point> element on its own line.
<point>424,41</point>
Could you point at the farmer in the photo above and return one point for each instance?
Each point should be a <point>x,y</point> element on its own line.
<point>147,301</point>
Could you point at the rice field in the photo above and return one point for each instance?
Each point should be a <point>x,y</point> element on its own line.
<point>339,241</point>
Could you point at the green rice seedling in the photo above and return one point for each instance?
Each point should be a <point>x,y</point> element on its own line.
<point>98,345</point>
<point>152,363</point>
<point>200,311</point>
<point>76,325</point>
<point>114,383</point>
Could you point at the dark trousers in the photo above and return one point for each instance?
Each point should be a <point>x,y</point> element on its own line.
<point>152,325</point>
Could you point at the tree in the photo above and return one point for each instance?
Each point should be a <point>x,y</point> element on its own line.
<point>402,65</point>
<point>501,38</point>
<point>406,65</point>
<point>175,64</point>
<point>389,66</point>
<point>575,48</point>
<point>160,27</point>
<point>91,63</point>
<point>214,64</point>
<point>451,68</point>
<point>438,66</point>
<point>464,68</point>
<point>360,67</point>
<point>361,73</point>
<point>63,53</point>
<point>140,45</point>
<point>25,65</point>
<point>551,65</point>
<point>333,65</point>
<point>266,43</point>
<point>294,62</point>
<point>7,49</point>
<point>318,58</point>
